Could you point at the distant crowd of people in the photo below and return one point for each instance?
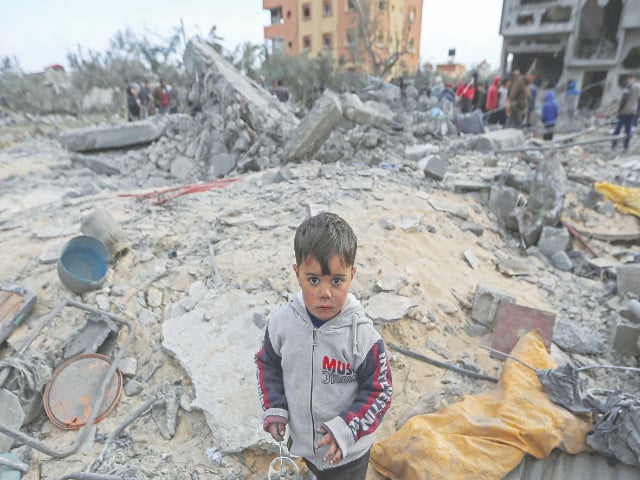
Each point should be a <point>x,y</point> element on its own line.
<point>144,101</point>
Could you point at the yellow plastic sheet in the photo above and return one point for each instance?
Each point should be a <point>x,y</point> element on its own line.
<point>626,199</point>
<point>487,435</point>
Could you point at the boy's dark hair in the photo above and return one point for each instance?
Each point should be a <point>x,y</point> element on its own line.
<point>323,236</point>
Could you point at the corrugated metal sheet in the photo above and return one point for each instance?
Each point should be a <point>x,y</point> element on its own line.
<point>562,466</point>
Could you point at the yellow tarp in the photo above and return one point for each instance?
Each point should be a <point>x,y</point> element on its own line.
<point>487,435</point>
<point>626,199</point>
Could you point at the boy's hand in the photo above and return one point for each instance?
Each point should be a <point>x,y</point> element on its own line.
<point>277,431</point>
<point>334,454</point>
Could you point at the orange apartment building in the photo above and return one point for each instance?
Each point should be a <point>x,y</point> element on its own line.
<point>314,26</point>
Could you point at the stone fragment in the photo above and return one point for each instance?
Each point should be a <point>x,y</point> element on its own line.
<point>634,308</point>
<point>456,209</point>
<point>577,338</point>
<point>387,307</point>
<point>95,164</point>
<point>222,163</point>
<point>416,152</point>
<point>101,225</point>
<point>561,261</point>
<point>133,387</point>
<point>390,283</point>
<point>440,350</point>
<point>485,304</point>
<point>128,366</point>
<point>410,224</point>
<point>11,415</point>
<point>473,227</point>
<point>471,258</point>
<point>553,240</point>
<point>628,278</point>
<point>91,336</point>
<point>182,168</point>
<point>435,166</point>
<point>370,113</point>
<point>314,129</point>
<point>52,251</point>
<point>625,336</point>
<point>502,203</point>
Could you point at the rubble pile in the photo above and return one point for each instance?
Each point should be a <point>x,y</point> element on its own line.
<point>198,213</point>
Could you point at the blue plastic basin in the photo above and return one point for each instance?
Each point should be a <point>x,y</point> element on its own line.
<point>83,264</point>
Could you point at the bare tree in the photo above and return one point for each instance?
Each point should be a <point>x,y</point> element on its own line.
<point>368,43</point>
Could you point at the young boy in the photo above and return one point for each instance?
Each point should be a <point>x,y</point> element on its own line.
<point>322,368</point>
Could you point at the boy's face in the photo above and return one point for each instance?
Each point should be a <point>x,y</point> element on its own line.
<point>324,295</point>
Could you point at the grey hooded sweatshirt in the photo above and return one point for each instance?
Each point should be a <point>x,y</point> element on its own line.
<point>336,376</point>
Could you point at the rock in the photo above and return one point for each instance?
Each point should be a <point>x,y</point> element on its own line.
<point>11,415</point>
<point>473,227</point>
<point>628,279</point>
<point>133,387</point>
<point>387,307</point>
<point>314,129</point>
<point>128,366</point>
<point>576,338</point>
<point>435,166</point>
<point>502,203</point>
<point>553,240</point>
<point>390,284</point>
<point>52,252</point>
<point>456,209</point>
<point>182,168</point>
<point>416,152</point>
<point>471,258</point>
<point>442,351</point>
<point>222,163</point>
<point>625,336</point>
<point>562,261</point>
<point>634,308</point>
<point>101,225</point>
<point>95,164</point>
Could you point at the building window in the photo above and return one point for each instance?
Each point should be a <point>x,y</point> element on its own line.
<point>290,44</point>
<point>412,14</point>
<point>382,5</point>
<point>306,42</point>
<point>351,5</point>
<point>306,11</point>
<point>326,8</point>
<point>412,45</point>
<point>327,41</point>
<point>379,38</point>
<point>351,37</point>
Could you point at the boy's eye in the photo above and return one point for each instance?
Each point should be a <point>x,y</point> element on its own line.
<point>336,281</point>
<point>314,280</point>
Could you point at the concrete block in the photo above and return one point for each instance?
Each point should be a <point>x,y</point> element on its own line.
<point>625,336</point>
<point>628,278</point>
<point>314,128</point>
<point>223,163</point>
<point>485,304</point>
<point>502,201</point>
<point>553,240</point>
<point>434,166</point>
<point>122,135</point>
<point>562,261</point>
<point>499,139</point>
<point>370,113</point>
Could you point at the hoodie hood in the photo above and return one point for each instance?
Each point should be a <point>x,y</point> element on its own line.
<point>496,80</point>
<point>549,97</point>
<point>351,315</point>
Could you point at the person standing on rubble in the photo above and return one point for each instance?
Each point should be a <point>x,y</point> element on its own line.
<point>465,94</point>
<point>503,98</point>
<point>161,97</point>
<point>518,101</point>
<point>491,104</point>
<point>146,99</point>
<point>533,94</point>
<point>549,115</point>
<point>571,102</point>
<point>133,103</point>
<point>280,91</point>
<point>322,369</point>
<point>627,110</point>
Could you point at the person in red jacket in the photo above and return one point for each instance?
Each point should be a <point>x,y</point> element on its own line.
<point>491,105</point>
<point>465,93</point>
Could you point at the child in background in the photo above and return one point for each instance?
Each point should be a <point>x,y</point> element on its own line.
<point>549,114</point>
<point>322,368</point>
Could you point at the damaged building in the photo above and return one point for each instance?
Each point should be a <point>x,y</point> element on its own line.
<point>592,42</point>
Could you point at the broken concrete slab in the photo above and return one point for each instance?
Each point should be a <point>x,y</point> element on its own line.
<point>499,140</point>
<point>502,203</point>
<point>471,258</point>
<point>95,164</point>
<point>91,336</point>
<point>370,113</point>
<point>416,152</point>
<point>387,307</point>
<point>486,301</point>
<point>456,209</point>
<point>228,342</point>
<point>314,128</point>
<point>122,135</point>
<point>262,111</point>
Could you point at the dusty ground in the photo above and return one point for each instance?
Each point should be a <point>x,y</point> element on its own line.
<point>41,191</point>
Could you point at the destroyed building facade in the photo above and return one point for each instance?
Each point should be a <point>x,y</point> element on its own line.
<point>592,42</point>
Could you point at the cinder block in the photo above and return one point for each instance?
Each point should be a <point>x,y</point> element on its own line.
<point>628,278</point>
<point>625,337</point>
<point>485,304</point>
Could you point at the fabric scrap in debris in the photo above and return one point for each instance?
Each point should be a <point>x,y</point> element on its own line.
<point>625,199</point>
<point>486,435</point>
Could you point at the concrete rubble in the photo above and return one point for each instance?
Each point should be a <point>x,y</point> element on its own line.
<point>447,230</point>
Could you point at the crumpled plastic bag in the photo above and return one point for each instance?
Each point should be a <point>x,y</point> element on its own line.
<point>625,199</point>
<point>487,435</point>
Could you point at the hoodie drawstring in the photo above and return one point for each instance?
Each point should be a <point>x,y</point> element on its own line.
<point>354,328</point>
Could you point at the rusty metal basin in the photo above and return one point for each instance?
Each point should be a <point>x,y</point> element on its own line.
<point>72,392</point>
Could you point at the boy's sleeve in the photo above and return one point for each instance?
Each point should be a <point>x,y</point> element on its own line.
<point>371,403</point>
<point>270,384</point>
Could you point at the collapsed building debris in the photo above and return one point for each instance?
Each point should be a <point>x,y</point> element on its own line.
<point>197,264</point>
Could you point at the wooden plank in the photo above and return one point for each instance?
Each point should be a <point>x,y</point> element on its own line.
<point>10,307</point>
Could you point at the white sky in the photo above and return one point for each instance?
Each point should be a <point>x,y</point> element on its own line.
<point>42,32</point>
